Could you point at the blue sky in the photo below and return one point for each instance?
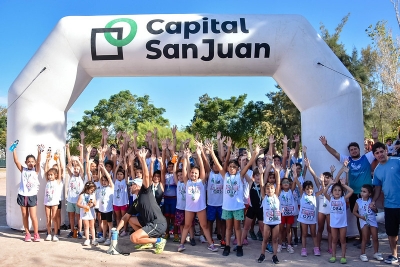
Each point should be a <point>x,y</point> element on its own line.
<point>26,24</point>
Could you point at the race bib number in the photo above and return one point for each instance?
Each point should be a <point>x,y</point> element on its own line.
<point>337,207</point>
<point>288,210</point>
<point>217,188</point>
<point>273,215</point>
<point>308,214</point>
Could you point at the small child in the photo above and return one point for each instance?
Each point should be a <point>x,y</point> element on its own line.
<point>27,192</point>
<point>338,215</point>
<point>52,198</point>
<point>86,202</point>
<point>368,223</point>
<point>105,204</point>
<point>308,210</point>
<point>272,214</point>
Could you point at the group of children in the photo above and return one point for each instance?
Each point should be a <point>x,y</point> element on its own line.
<point>231,187</point>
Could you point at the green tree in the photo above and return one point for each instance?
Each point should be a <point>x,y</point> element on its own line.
<point>122,112</point>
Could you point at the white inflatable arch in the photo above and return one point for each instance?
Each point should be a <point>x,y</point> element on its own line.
<point>285,47</point>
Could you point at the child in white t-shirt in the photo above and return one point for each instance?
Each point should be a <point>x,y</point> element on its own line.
<point>86,202</point>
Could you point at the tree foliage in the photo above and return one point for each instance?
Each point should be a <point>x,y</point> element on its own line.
<point>122,112</point>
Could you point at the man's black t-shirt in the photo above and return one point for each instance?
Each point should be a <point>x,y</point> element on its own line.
<point>147,208</point>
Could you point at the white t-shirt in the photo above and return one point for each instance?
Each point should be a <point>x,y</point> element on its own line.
<point>181,196</point>
<point>90,214</point>
<point>271,210</point>
<point>195,196</point>
<point>308,209</point>
<point>288,204</point>
<point>105,199</point>
<point>29,185</point>
<point>52,193</point>
<point>215,188</point>
<point>98,187</point>
<point>246,188</point>
<point>338,213</point>
<point>233,192</point>
<point>364,210</point>
<point>120,197</point>
<point>324,206</point>
<point>75,187</point>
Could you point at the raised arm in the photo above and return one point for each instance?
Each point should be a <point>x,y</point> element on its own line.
<point>173,130</point>
<point>331,150</point>
<point>375,135</point>
<point>88,162</point>
<point>186,155</point>
<point>16,161</point>
<point>327,196</point>
<point>142,157</point>
<point>152,161</point>
<point>284,152</point>
<point>253,158</point>
<point>46,165</point>
<point>278,180</point>
<point>68,152</point>
<point>209,147</point>
<point>316,180</point>
<point>349,191</point>
<point>80,148</point>
<point>202,175</point>
<point>296,139</point>
<point>228,144</point>
<point>39,158</point>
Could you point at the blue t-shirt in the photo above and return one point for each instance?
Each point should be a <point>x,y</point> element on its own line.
<point>388,176</point>
<point>359,171</point>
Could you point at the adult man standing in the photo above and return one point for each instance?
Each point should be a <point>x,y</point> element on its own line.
<point>359,170</point>
<point>387,179</point>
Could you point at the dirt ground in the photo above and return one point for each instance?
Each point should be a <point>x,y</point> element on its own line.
<point>70,252</point>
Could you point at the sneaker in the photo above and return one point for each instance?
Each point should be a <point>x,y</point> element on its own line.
<point>176,238</point>
<point>143,246</point>
<point>71,234</point>
<point>107,242</point>
<point>99,235</point>
<point>234,242</point>
<point>222,243</point>
<point>80,235</point>
<point>188,239</point>
<point>391,259</point>
<point>160,246</point>
<point>378,256</point>
<point>28,237</point>
<point>317,252</point>
<point>261,258</point>
<point>329,250</point>
<point>303,252</point>
<point>101,239</point>
<point>284,245</point>
<point>55,238</point>
<point>239,251</point>
<point>87,242</point>
<point>212,248</point>
<point>123,233</point>
<point>279,249</point>
<point>269,248</point>
<point>181,248</point>
<point>290,249</point>
<point>275,259</point>
<point>36,238</point>
<point>332,260</point>
<point>202,239</point>
<point>259,236</point>
<point>253,236</point>
<point>296,241</point>
<point>343,261</point>
<point>363,257</point>
<point>48,238</point>
<point>192,242</point>
<point>245,242</point>
<point>95,243</point>
<point>226,251</point>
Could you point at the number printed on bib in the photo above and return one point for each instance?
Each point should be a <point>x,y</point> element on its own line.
<point>273,215</point>
<point>337,206</point>
<point>308,214</point>
<point>288,210</point>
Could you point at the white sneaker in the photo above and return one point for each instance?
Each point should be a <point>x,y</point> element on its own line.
<point>290,249</point>
<point>378,256</point>
<point>107,242</point>
<point>101,239</point>
<point>363,257</point>
<point>55,238</point>
<point>188,239</point>
<point>87,242</point>
<point>279,248</point>
<point>48,238</point>
<point>95,243</point>
<point>202,239</point>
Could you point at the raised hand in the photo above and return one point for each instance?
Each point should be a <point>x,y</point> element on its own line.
<point>307,162</point>
<point>142,153</point>
<point>333,168</point>
<point>173,130</point>
<point>208,146</point>
<point>296,138</point>
<point>164,144</point>
<point>271,139</point>
<point>292,152</point>
<point>153,157</point>
<point>88,148</point>
<point>132,157</point>
<point>229,142</point>
<point>285,140</point>
<point>304,149</point>
<point>218,135</point>
<point>374,133</point>
<point>155,131</point>
<point>119,135</point>
<point>135,134</point>
<point>40,148</point>
<point>257,149</point>
<point>250,141</point>
<point>323,140</point>
<point>83,135</point>
<point>261,169</point>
